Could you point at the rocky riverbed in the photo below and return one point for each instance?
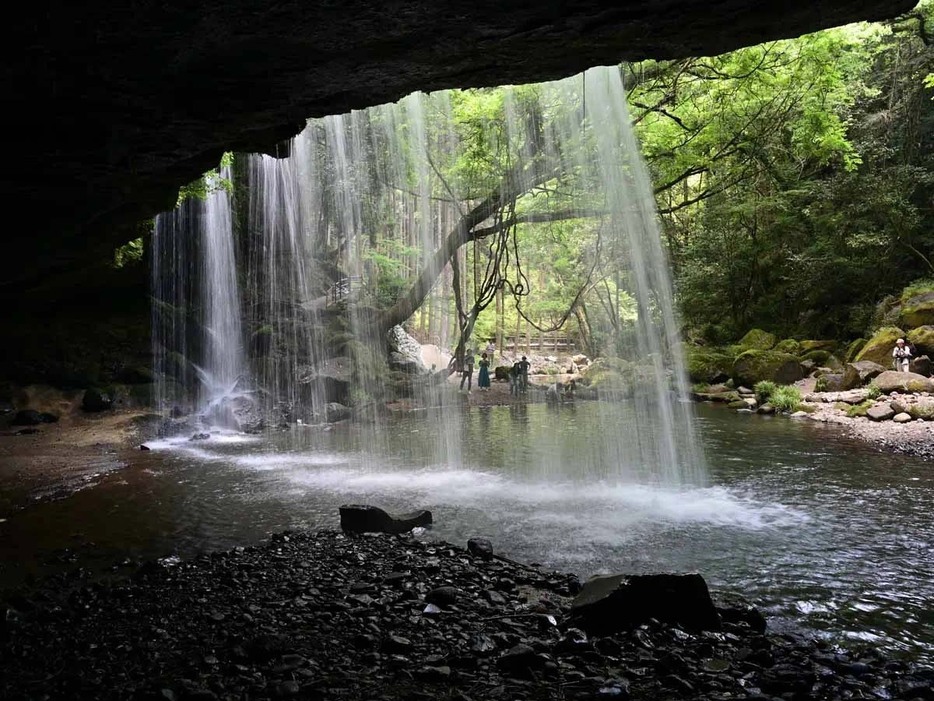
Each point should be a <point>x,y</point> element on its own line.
<point>328,615</point>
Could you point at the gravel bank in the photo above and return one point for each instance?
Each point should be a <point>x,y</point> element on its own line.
<point>332,616</point>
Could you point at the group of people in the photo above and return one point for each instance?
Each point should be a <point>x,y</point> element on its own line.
<point>518,373</point>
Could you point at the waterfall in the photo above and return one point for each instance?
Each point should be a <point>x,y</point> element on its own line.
<point>197,331</point>
<point>336,232</point>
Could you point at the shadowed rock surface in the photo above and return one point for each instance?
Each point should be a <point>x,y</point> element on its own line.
<point>331,616</point>
<point>110,109</point>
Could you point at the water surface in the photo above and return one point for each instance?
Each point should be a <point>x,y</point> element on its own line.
<point>823,533</point>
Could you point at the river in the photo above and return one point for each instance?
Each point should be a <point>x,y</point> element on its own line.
<point>826,535</point>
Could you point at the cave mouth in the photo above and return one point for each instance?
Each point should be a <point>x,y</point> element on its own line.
<point>113,109</point>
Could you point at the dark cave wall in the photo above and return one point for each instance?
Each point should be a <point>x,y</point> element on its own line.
<point>111,107</point>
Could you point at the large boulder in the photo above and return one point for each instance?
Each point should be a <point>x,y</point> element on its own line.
<point>853,349</point>
<point>811,345</point>
<point>757,339</point>
<point>405,353</point>
<point>330,380</point>
<point>754,366</point>
<point>823,358</point>
<point>878,349</point>
<point>922,339</point>
<point>611,603</point>
<point>859,373</point>
<point>892,381</point>
<point>922,366</point>
<point>708,365</point>
<point>788,345</point>
<point>917,310</point>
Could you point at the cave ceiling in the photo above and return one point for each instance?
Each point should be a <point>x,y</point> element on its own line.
<point>111,107</point>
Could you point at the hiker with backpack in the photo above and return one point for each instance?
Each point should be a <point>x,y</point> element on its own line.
<point>901,355</point>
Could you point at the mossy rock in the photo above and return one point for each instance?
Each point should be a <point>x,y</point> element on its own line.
<point>878,349</point>
<point>858,410</point>
<point>809,346</point>
<point>921,409</point>
<point>708,365</point>
<point>722,397</point>
<point>823,358</point>
<point>916,305</point>
<point>757,339</point>
<point>788,345</point>
<point>853,349</point>
<point>754,366</point>
<point>922,338</point>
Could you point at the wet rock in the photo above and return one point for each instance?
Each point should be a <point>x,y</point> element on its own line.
<point>480,547</point>
<point>331,616</point>
<point>200,437</point>
<point>362,518</point>
<point>618,602</point>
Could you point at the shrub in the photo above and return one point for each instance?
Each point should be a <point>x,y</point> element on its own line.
<point>873,391</point>
<point>785,398</point>
<point>764,390</point>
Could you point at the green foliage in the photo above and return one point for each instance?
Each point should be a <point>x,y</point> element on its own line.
<point>798,175</point>
<point>210,182</point>
<point>129,253</point>
<point>764,390</point>
<point>857,410</point>
<point>786,398</point>
<point>873,391</point>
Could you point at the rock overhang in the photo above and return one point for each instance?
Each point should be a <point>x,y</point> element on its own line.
<point>111,109</point>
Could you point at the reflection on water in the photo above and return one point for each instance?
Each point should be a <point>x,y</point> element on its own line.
<point>821,532</point>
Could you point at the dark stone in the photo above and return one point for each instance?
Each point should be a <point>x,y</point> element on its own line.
<point>618,602</point>
<point>442,596</point>
<point>94,401</point>
<point>27,417</point>
<point>360,518</point>
<point>480,547</point>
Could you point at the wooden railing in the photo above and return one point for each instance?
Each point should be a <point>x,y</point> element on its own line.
<point>552,341</point>
<point>343,289</point>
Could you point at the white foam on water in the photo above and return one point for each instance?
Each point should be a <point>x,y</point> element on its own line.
<point>605,506</point>
<point>263,462</point>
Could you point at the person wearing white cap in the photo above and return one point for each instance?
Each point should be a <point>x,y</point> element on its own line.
<point>901,355</point>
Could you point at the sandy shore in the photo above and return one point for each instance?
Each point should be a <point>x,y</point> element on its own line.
<point>56,459</point>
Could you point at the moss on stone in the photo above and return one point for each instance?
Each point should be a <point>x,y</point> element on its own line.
<point>757,339</point>
<point>708,364</point>
<point>754,366</point>
<point>878,349</point>
<point>853,349</point>
<point>788,345</point>
<point>918,308</point>
<point>812,345</point>
<point>922,338</point>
